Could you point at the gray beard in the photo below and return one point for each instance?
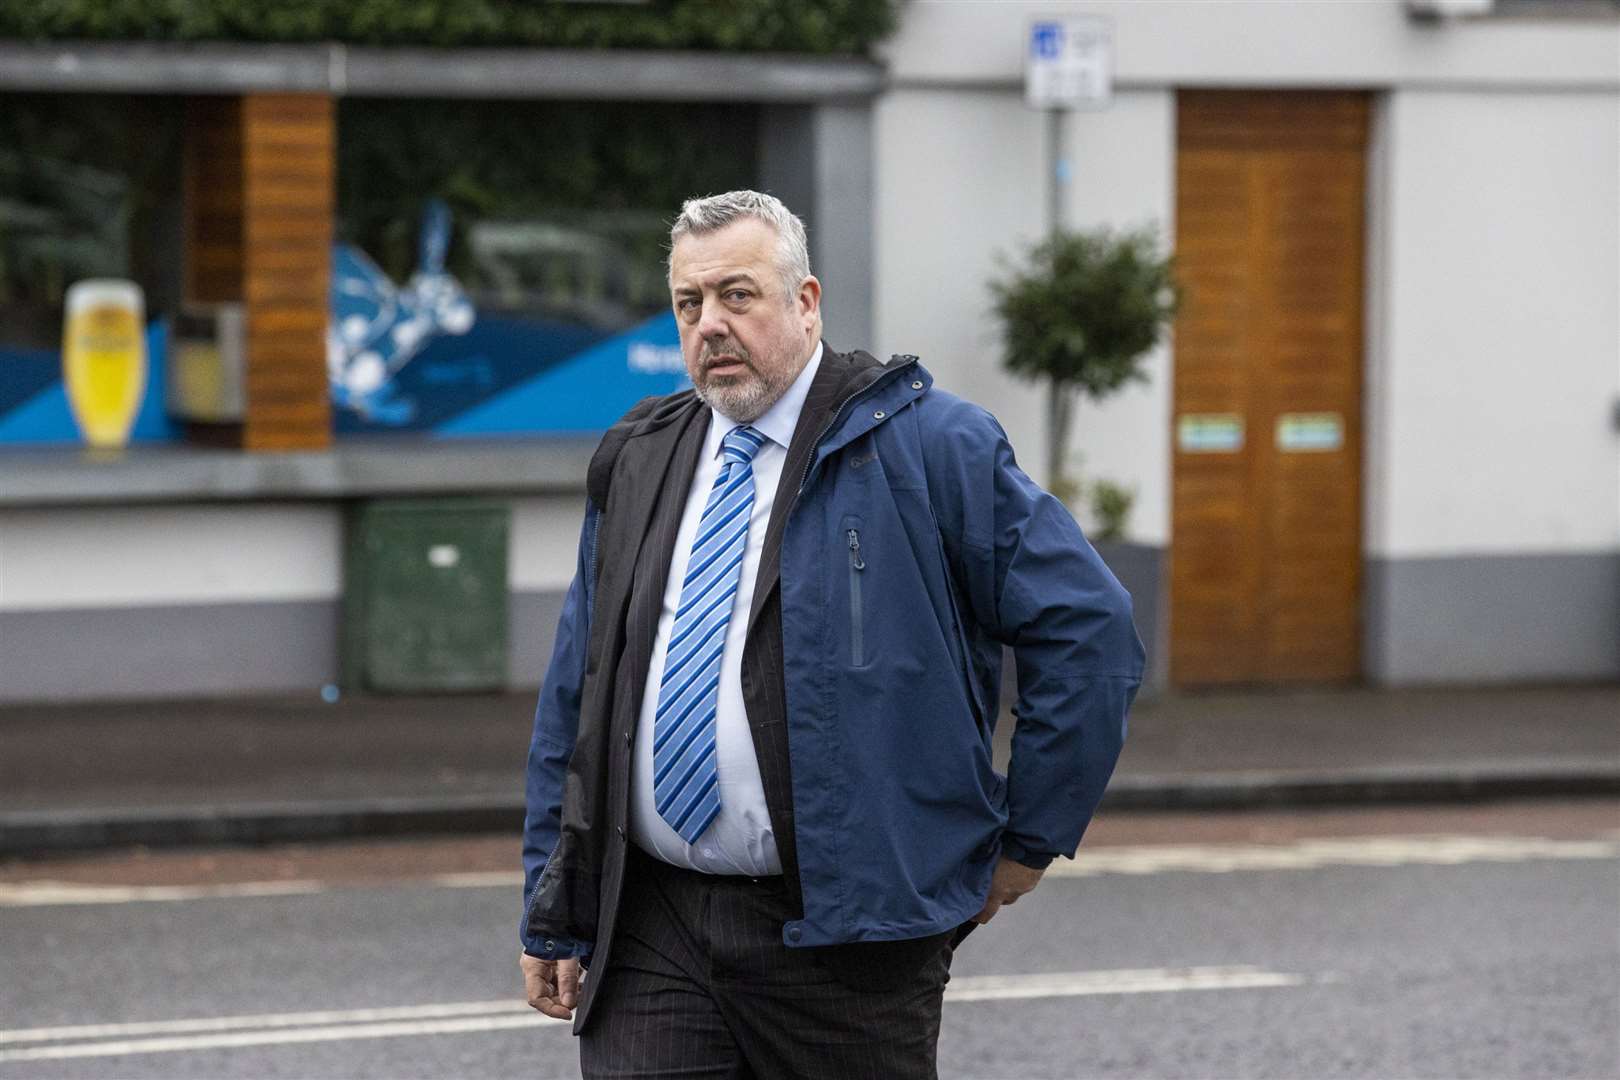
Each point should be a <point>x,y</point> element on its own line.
<point>742,402</point>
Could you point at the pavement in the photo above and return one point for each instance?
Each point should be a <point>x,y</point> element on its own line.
<point>78,777</point>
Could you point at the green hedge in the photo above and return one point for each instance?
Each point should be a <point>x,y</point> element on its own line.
<point>811,26</point>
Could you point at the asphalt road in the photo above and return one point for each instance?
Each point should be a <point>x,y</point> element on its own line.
<point>1384,943</point>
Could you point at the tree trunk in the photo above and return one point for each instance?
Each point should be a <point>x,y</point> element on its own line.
<point>1059,416</point>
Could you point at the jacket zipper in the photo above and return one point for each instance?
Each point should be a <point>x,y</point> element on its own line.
<point>857,642</point>
<point>590,565</point>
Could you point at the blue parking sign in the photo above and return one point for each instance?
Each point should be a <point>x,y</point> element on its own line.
<point>1046,40</point>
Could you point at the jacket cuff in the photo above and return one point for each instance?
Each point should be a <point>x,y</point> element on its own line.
<point>557,948</point>
<point>1018,853</point>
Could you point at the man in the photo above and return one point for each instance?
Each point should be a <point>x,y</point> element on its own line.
<point>762,808</point>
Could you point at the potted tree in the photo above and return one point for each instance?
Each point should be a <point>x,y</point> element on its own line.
<point>1081,313</point>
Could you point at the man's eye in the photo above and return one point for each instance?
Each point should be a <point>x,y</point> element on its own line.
<point>737,295</point>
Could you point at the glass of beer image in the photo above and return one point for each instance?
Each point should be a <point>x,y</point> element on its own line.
<point>104,358</point>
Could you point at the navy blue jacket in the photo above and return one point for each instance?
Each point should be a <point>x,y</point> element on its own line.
<point>915,551</point>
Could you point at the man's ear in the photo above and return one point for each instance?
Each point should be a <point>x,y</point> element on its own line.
<point>809,301</point>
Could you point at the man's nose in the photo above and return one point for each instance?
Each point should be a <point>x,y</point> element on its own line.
<point>712,320</point>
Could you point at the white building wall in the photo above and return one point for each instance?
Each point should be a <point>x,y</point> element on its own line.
<point>1501,373</point>
<point>958,183</point>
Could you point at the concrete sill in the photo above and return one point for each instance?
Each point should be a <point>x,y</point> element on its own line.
<point>359,469</point>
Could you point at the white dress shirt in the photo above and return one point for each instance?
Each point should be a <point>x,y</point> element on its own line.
<point>739,840</point>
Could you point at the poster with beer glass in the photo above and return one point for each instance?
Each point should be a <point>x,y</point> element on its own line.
<point>104,364</point>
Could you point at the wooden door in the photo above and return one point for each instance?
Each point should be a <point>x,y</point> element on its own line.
<point>1266,510</point>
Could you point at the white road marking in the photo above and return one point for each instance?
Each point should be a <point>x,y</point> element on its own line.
<point>53,893</point>
<point>1436,850</point>
<point>265,1020</point>
<point>1128,981</point>
<point>1337,851</point>
<point>269,1038</point>
<point>269,1029</point>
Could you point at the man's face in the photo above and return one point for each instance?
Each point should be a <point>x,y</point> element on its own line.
<point>743,340</point>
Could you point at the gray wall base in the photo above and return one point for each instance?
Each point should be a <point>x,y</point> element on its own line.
<point>207,650</point>
<point>195,650</point>
<point>1492,619</point>
<point>531,630</point>
<point>1140,568</point>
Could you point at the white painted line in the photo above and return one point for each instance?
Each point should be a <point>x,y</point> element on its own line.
<point>1315,854</point>
<point>1441,850</point>
<point>450,1018</point>
<point>1130,981</point>
<point>267,1038</point>
<point>263,1020</point>
<point>54,893</point>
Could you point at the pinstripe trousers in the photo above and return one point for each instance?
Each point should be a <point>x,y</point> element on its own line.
<point>700,984</point>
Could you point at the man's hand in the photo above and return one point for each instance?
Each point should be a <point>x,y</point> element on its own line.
<point>552,985</point>
<point>1010,881</point>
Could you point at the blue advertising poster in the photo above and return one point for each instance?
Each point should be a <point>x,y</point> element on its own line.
<point>422,359</point>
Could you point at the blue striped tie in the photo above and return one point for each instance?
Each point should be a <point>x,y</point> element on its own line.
<point>684,777</point>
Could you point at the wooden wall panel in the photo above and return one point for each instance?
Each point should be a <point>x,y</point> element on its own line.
<point>1266,553</point>
<point>260,197</point>
<point>289,240</point>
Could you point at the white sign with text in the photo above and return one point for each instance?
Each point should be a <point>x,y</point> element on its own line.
<point>1069,63</point>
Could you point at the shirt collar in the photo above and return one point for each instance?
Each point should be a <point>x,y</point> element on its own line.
<point>780,419</point>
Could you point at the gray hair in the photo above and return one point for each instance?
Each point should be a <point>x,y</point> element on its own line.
<point>710,213</point>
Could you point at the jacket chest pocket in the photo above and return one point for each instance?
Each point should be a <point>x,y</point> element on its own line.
<point>858,570</point>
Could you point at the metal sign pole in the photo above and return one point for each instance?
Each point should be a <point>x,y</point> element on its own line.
<point>1067,62</point>
<point>1057,176</point>
<point>1057,169</point>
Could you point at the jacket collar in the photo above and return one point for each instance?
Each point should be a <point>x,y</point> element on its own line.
<point>870,393</point>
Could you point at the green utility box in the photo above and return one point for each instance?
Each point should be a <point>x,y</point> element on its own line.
<point>424,595</point>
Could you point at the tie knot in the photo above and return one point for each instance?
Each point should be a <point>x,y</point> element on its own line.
<point>741,444</point>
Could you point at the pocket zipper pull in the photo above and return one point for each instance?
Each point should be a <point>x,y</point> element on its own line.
<point>855,550</point>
